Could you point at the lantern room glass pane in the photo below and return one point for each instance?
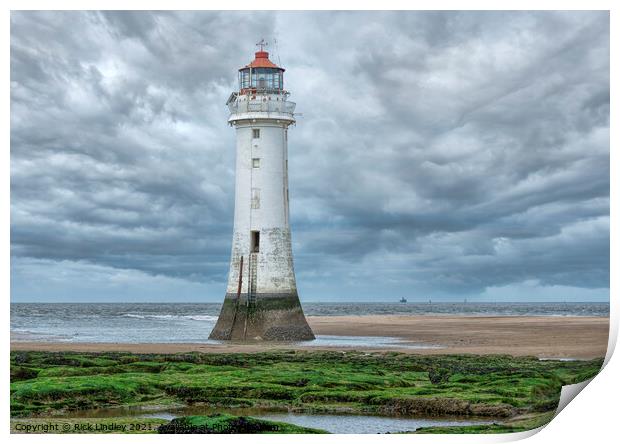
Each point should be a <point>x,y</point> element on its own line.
<point>244,78</point>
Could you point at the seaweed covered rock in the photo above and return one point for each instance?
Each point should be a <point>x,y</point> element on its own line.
<point>444,406</point>
<point>23,373</point>
<point>439,375</point>
<point>223,423</point>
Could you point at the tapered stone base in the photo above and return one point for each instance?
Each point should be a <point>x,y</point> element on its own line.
<point>273,317</point>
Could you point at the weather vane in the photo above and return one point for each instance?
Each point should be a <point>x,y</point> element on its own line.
<point>262,43</point>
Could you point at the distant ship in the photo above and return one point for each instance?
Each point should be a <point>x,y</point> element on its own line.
<point>403,300</point>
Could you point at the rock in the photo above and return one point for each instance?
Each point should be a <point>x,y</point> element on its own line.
<point>444,406</point>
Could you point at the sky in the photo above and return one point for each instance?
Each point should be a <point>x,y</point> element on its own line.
<point>438,155</point>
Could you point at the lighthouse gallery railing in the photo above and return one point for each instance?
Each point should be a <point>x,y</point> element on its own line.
<point>269,106</point>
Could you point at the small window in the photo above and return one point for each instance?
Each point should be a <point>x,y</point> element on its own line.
<point>254,241</point>
<point>255,133</point>
<point>255,163</point>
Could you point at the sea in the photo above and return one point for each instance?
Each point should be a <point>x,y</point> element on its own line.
<point>192,322</point>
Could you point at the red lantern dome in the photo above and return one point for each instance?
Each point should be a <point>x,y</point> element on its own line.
<point>261,60</point>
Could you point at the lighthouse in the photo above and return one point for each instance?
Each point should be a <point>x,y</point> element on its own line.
<point>261,301</point>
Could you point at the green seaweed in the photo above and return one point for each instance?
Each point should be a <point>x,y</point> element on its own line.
<point>377,383</point>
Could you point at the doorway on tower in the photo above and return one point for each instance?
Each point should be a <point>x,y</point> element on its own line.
<point>254,241</point>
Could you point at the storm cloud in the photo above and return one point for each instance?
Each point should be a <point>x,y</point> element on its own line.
<point>437,154</point>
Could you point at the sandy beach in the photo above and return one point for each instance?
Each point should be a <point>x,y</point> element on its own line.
<point>541,336</point>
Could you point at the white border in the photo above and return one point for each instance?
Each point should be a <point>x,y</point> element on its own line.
<point>592,418</point>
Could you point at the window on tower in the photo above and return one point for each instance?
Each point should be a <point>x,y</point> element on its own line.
<point>256,163</point>
<point>256,133</point>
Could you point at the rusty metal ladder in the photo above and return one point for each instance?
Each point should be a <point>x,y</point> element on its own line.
<point>252,278</point>
<point>251,299</point>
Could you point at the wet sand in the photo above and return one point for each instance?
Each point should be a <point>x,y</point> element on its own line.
<point>541,336</point>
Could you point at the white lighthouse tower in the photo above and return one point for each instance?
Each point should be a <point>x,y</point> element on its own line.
<point>261,300</point>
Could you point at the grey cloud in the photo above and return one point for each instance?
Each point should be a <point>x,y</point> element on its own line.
<point>467,150</point>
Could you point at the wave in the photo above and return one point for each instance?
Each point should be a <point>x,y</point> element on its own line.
<point>172,317</point>
<point>201,318</point>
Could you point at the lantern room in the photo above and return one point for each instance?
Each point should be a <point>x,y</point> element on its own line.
<point>261,75</point>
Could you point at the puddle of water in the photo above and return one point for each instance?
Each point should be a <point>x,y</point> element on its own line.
<point>359,342</point>
<point>362,341</point>
<point>339,423</point>
<point>320,341</point>
<point>334,423</point>
<point>363,423</point>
